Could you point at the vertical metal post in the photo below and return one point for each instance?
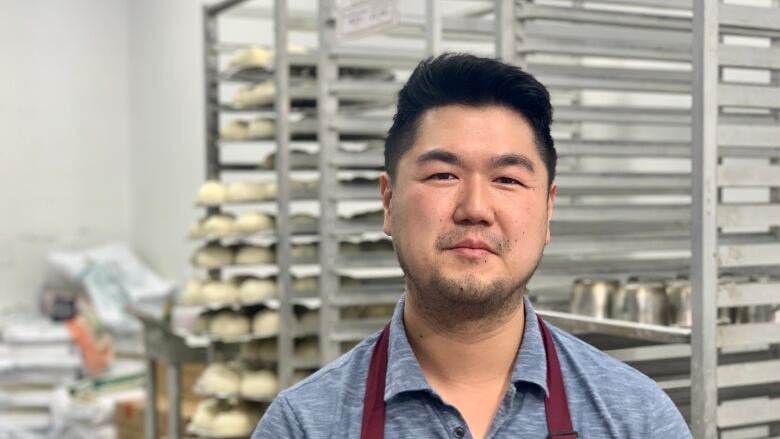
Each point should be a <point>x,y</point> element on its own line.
<point>210,72</point>
<point>518,32</point>
<point>283,252</point>
<point>433,28</point>
<point>504,13</point>
<point>211,82</point>
<point>774,193</point>
<point>150,413</point>
<point>704,262</point>
<point>174,400</point>
<point>327,106</point>
<point>774,198</point>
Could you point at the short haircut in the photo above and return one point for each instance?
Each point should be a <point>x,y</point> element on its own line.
<point>463,79</point>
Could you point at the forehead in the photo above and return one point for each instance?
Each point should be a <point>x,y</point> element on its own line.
<point>475,133</point>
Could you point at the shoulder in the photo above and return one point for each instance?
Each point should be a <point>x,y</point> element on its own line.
<point>341,374</point>
<point>328,401</point>
<point>584,360</point>
<point>614,390</point>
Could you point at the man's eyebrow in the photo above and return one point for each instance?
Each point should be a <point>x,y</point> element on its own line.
<point>505,160</point>
<point>438,155</point>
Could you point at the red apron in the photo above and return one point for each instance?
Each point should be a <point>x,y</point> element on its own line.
<point>558,419</point>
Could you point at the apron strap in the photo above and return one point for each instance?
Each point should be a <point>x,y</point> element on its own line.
<point>559,423</point>
<point>373,426</point>
<point>556,405</point>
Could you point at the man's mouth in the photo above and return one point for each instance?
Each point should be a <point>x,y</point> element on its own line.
<point>473,248</point>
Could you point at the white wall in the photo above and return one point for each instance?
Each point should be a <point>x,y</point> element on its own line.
<point>64,148</point>
<point>167,122</point>
<point>166,119</point>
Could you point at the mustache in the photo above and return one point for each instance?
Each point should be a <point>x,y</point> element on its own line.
<point>451,238</point>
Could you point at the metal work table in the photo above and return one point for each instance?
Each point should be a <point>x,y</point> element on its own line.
<point>162,344</point>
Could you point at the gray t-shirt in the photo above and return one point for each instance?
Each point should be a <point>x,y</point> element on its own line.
<point>607,398</point>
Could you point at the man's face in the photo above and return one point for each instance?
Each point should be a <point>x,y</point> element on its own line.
<point>469,210</point>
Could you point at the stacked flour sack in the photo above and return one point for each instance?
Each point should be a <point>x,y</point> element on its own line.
<point>36,358</point>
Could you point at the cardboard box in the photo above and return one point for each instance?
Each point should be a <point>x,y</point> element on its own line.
<point>129,418</point>
<point>190,373</point>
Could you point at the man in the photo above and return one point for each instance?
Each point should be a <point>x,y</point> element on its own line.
<point>468,198</point>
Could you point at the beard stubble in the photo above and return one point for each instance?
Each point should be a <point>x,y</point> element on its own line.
<point>465,301</point>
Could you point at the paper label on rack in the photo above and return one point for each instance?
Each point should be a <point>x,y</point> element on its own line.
<point>359,18</point>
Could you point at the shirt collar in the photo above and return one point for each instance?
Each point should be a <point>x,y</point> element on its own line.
<point>405,374</point>
<point>531,361</point>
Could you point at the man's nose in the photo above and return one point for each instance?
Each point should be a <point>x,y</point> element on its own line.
<point>474,204</point>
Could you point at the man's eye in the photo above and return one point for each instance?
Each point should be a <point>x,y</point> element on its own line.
<point>441,176</point>
<point>508,180</point>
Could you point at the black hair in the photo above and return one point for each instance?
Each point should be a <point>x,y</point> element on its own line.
<point>463,79</point>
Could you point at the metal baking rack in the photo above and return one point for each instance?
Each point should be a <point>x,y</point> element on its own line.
<point>355,272</point>
<point>626,52</point>
<point>619,75</point>
<point>615,217</point>
<point>735,368</point>
<point>631,226</point>
<point>291,151</point>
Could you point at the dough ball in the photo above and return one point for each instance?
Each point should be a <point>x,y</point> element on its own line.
<point>220,378</point>
<point>310,319</point>
<point>262,129</point>
<point>260,56</point>
<point>202,324</point>
<point>308,347</point>
<point>247,191</point>
<point>254,255</point>
<point>192,293</point>
<point>349,248</point>
<point>252,57</point>
<point>259,383</point>
<point>219,293</point>
<point>213,256</point>
<point>270,161</point>
<point>270,190</point>
<point>382,245</point>
<point>264,350</point>
<point>379,311</point>
<point>219,225</point>
<point>369,216</point>
<point>304,185</point>
<point>304,251</point>
<point>300,375</point>
<point>368,246</point>
<point>212,192</point>
<point>266,322</point>
<point>197,230</point>
<point>297,49</point>
<point>205,412</point>
<point>235,130</point>
<point>255,290</point>
<point>229,324</point>
<point>352,312</point>
<point>304,221</point>
<point>311,283</point>
<point>253,222</point>
<point>258,95</point>
<point>234,422</point>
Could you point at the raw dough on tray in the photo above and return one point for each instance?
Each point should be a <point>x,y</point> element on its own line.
<point>266,322</point>
<point>229,324</point>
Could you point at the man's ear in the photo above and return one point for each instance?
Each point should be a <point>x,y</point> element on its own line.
<point>386,190</point>
<point>550,203</point>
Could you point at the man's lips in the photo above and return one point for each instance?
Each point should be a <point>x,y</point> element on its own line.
<point>473,248</point>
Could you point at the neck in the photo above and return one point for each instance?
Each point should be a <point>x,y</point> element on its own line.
<point>470,354</point>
